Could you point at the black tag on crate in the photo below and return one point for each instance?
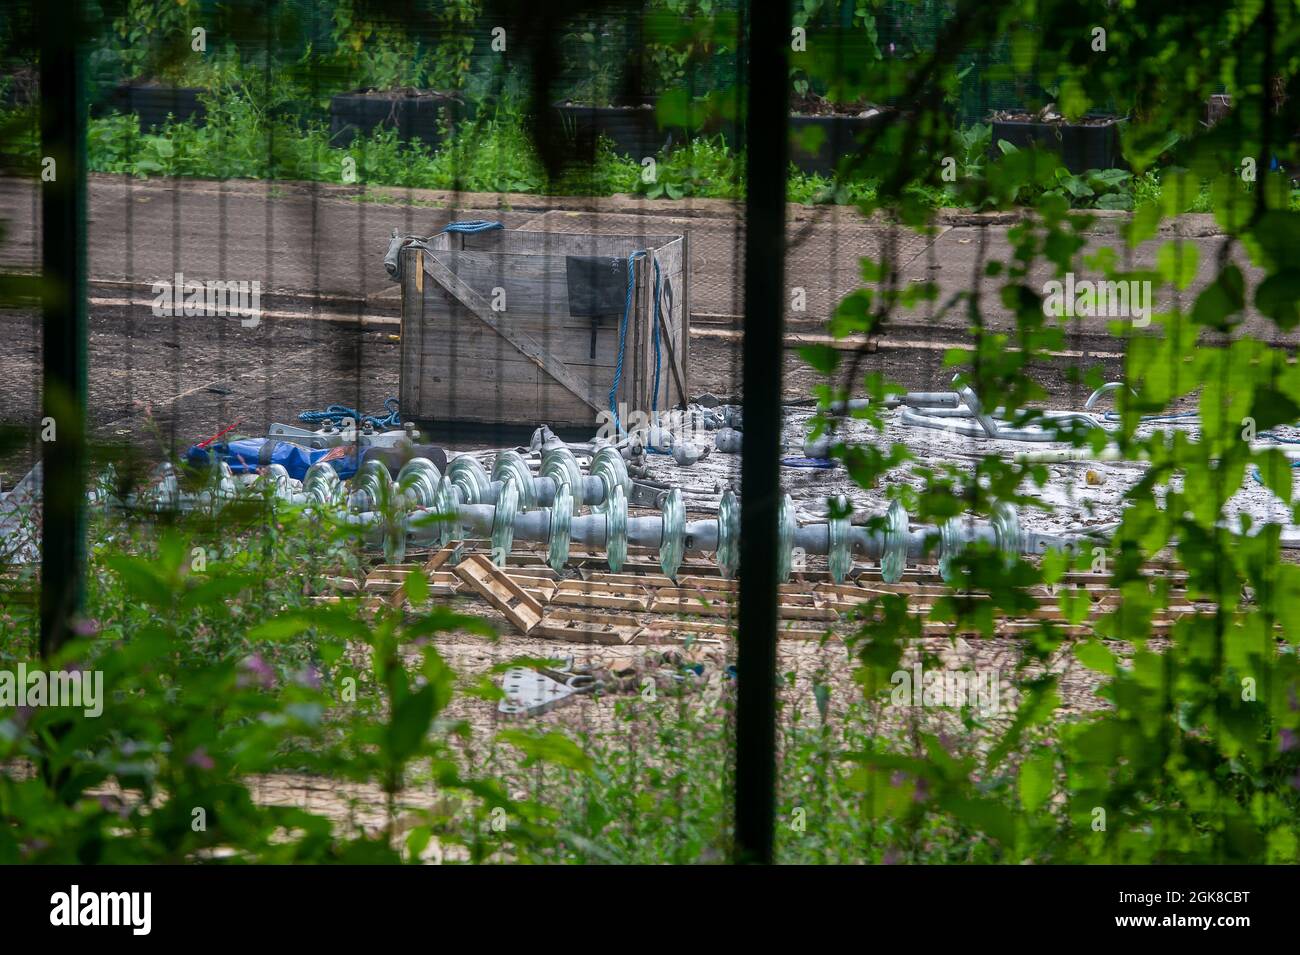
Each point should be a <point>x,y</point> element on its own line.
<point>597,285</point>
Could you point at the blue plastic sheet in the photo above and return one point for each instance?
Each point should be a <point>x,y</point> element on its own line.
<point>247,455</point>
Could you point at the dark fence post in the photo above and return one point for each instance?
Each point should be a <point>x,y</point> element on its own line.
<point>63,267</point>
<point>767,112</point>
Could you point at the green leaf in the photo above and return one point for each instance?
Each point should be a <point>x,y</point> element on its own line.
<point>1073,99</point>
<point>1277,297</point>
<point>822,358</point>
<point>1177,261</point>
<point>1271,408</point>
<point>1094,655</point>
<point>1037,779</point>
<point>985,815</point>
<point>554,748</point>
<point>412,715</point>
<point>417,587</point>
<point>1145,223</point>
<point>1275,472</point>
<point>142,580</point>
<point>328,619</point>
<point>1115,200</point>
<point>218,589</point>
<point>1221,299</point>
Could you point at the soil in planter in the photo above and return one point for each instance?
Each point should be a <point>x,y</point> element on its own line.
<point>1091,142</point>
<point>416,114</point>
<point>843,126</point>
<point>812,104</point>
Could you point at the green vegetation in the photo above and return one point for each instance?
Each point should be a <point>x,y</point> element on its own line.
<point>243,138</point>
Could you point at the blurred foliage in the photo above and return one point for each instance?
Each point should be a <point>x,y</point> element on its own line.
<point>1194,757</point>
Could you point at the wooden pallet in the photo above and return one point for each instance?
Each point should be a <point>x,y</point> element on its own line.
<point>501,591</point>
<point>580,626</point>
<point>645,606</point>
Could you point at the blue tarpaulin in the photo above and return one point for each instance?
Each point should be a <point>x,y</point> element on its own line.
<point>246,455</point>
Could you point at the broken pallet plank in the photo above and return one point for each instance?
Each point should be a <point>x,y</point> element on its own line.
<point>560,625</point>
<point>519,606</point>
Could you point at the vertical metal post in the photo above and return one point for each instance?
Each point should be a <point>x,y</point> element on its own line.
<point>766,155</point>
<point>63,267</point>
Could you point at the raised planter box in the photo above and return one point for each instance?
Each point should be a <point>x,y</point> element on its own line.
<point>634,130</point>
<point>516,328</point>
<point>841,136</point>
<point>1088,144</point>
<point>415,114</point>
<point>153,104</point>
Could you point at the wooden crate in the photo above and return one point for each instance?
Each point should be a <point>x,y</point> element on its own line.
<point>489,337</point>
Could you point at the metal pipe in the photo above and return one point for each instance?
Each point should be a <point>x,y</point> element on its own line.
<point>984,426</point>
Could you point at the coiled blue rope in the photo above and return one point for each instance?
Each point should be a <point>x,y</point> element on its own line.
<point>472,226</point>
<point>391,420</point>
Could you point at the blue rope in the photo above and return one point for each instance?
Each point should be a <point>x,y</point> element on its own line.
<point>472,226</point>
<point>622,342</point>
<point>654,336</point>
<point>391,420</point>
<point>1277,438</point>
<point>1259,478</point>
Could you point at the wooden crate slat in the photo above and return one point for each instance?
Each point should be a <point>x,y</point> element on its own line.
<point>519,607</point>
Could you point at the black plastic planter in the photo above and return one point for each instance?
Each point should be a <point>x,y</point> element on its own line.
<point>634,130</point>
<point>1082,146</point>
<point>841,136</point>
<point>416,115</point>
<point>153,104</point>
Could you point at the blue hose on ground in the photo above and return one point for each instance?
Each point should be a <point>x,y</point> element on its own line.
<point>1277,438</point>
<point>391,420</point>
